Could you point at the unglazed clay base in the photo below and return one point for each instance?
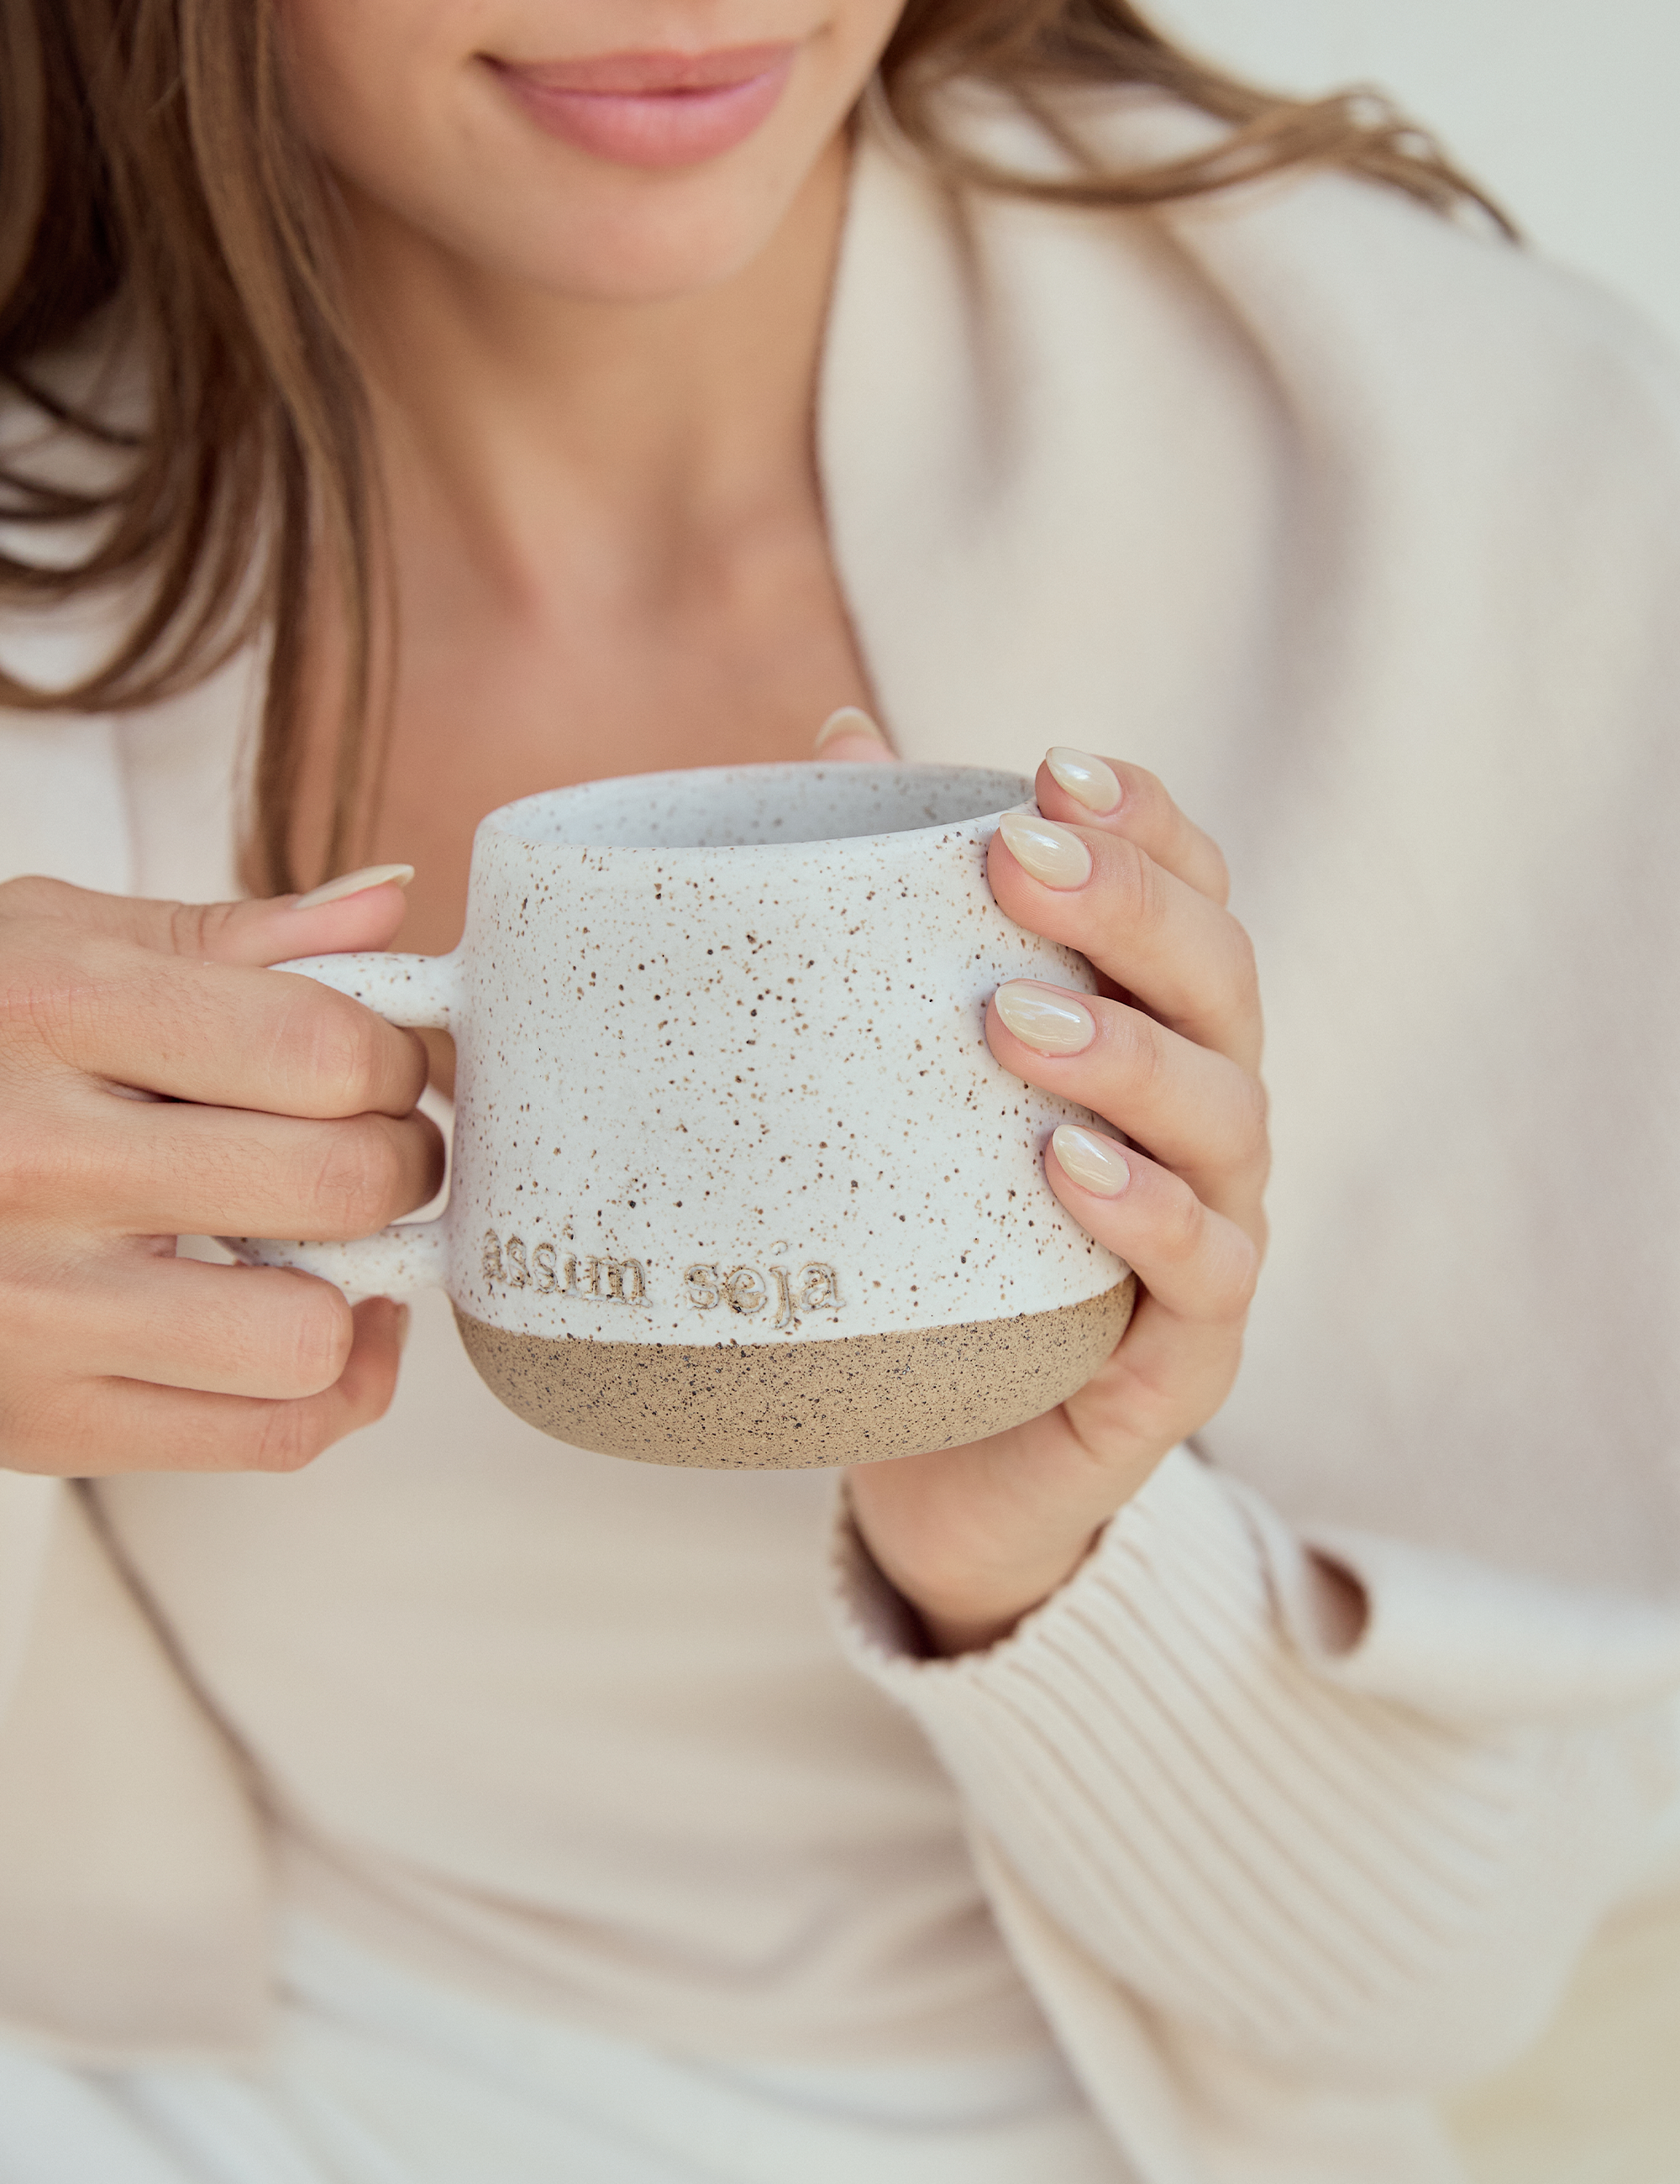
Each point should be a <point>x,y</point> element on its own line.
<point>769,1407</point>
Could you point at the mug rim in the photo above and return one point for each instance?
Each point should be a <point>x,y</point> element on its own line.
<point>503,823</point>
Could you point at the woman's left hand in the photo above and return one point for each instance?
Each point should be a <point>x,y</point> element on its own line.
<point>974,1537</point>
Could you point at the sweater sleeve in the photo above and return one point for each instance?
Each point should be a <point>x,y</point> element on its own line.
<point>1334,1881</point>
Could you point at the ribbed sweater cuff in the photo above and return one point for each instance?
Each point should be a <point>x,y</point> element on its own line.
<point>1183,1526</point>
<point>1248,1846</point>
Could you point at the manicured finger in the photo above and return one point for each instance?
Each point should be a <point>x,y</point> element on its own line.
<point>220,1033</point>
<point>1184,958</point>
<point>1198,1264</point>
<point>361,910</point>
<point>183,1323</point>
<point>1196,1111</point>
<point>851,737</point>
<point>1078,787</point>
<point>98,1428</point>
<point>124,1166</point>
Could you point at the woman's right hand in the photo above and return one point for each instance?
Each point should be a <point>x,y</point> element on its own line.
<point>155,1081</point>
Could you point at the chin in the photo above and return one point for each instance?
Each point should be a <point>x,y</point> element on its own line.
<point>651,246</point>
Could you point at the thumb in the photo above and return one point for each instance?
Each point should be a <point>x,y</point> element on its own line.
<point>853,737</point>
<point>358,910</point>
<point>361,910</point>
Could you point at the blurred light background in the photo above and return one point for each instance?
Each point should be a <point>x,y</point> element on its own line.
<point>1566,109</point>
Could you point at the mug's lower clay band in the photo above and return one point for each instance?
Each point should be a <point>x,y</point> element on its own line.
<point>774,1407</point>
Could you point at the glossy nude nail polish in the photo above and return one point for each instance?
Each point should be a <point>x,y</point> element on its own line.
<point>1052,853</point>
<point>348,884</point>
<point>1044,1018</point>
<point>1093,1162</point>
<point>1088,780</point>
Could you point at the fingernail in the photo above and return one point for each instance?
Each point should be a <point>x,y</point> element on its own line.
<point>848,721</point>
<point>1085,778</point>
<point>1044,1018</point>
<point>371,875</point>
<point>1051,852</point>
<point>1094,1163</point>
<point>403,1316</point>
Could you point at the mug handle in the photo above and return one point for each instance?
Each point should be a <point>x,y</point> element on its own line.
<point>420,993</point>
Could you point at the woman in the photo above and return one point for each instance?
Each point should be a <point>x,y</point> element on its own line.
<point>439,379</point>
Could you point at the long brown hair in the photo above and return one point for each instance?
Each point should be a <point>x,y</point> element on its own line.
<point>157,206</point>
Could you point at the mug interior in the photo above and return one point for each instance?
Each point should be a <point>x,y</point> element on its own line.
<point>746,806</point>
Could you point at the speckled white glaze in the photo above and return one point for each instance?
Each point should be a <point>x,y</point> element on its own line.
<point>722,1073</point>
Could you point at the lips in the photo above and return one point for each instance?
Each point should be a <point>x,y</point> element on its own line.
<point>652,109</point>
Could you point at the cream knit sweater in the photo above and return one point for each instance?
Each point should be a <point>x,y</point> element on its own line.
<point>1365,534</point>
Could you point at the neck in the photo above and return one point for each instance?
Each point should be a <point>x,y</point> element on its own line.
<point>531,420</point>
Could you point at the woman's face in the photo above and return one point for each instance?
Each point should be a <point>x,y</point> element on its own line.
<point>617,150</point>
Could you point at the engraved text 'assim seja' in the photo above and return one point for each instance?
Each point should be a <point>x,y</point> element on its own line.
<point>549,1270</point>
<point>745,1290</point>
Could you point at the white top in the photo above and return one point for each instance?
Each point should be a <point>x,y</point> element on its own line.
<point>1361,532</point>
<point>374,2075</point>
<point>577,1733</point>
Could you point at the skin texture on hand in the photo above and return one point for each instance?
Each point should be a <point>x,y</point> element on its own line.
<point>584,372</point>
<point>974,1538</point>
<point>156,1080</point>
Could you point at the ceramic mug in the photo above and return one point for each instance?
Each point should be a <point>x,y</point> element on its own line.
<point>736,1179</point>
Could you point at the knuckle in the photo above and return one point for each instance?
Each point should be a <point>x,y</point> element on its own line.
<point>288,1436</point>
<point>1236,994</point>
<point>36,1167</point>
<point>322,1341</point>
<point>202,930</point>
<point>1154,1396</point>
<point>193,928</point>
<point>1250,1140</point>
<point>1243,969</point>
<point>1227,1280</point>
<point>1181,1225</point>
<point>357,1185</point>
<point>41,1001</point>
<point>1134,887</point>
<point>44,1316</point>
<point>1235,1292</point>
<point>338,1047</point>
<point>1146,1054</point>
